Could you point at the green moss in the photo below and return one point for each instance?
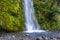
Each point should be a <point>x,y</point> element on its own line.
<point>11,16</point>
<point>46,12</point>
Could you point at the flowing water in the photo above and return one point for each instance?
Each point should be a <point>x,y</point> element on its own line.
<point>30,19</point>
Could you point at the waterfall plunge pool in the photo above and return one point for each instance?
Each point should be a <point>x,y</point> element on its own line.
<point>28,35</point>
<point>38,33</point>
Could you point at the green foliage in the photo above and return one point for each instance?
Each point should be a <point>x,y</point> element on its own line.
<point>46,12</point>
<point>11,16</point>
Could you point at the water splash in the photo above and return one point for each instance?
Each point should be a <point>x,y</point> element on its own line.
<point>35,31</point>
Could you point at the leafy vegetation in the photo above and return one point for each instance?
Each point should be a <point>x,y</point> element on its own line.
<point>11,16</point>
<point>47,13</point>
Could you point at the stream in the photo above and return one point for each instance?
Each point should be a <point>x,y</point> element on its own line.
<point>28,36</point>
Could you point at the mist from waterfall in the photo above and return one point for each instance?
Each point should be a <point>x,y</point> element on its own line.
<point>30,18</point>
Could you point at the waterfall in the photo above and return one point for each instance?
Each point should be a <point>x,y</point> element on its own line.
<point>30,19</point>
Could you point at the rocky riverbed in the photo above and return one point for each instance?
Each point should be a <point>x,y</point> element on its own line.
<point>29,36</point>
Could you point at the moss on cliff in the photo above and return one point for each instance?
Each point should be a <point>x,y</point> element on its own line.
<point>46,12</point>
<point>11,16</point>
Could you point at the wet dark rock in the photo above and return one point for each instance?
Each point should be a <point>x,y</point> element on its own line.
<point>57,29</point>
<point>37,39</point>
<point>51,37</point>
<point>58,38</point>
<point>46,38</point>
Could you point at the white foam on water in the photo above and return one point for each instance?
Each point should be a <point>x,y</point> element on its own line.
<point>35,31</point>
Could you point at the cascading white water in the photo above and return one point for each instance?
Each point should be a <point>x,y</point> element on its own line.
<point>30,19</point>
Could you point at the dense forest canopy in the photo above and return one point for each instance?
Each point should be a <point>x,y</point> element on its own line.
<point>12,14</point>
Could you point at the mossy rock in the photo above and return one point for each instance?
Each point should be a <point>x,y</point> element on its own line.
<point>11,15</point>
